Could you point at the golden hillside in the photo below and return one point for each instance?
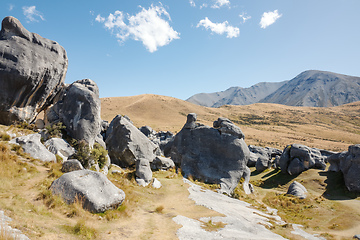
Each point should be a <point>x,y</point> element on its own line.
<point>264,124</point>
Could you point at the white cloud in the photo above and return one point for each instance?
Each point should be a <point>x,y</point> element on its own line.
<point>32,15</point>
<point>11,7</point>
<point>192,3</point>
<point>220,3</point>
<point>269,18</point>
<point>244,17</point>
<point>220,28</point>
<point>148,26</point>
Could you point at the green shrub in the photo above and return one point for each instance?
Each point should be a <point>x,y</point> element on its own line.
<point>88,156</point>
<point>55,130</point>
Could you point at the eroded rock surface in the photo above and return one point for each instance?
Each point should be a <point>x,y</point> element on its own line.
<point>78,108</point>
<point>126,144</point>
<point>213,155</point>
<point>93,189</point>
<point>32,71</point>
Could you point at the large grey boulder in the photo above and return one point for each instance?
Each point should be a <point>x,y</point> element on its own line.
<point>349,164</point>
<point>213,155</point>
<point>297,158</point>
<point>162,139</point>
<point>95,192</point>
<point>60,147</point>
<point>32,71</point>
<point>32,145</point>
<point>297,189</point>
<point>126,144</point>
<point>78,109</point>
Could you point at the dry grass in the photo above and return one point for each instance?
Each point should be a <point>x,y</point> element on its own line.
<point>263,124</point>
<point>211,226</point>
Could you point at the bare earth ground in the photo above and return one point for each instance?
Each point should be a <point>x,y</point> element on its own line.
<point>148,213</point>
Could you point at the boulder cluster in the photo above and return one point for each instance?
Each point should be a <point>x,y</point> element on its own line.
<point>32,72</point>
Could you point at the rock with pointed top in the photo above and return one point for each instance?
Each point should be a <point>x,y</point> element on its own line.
<point>32,72</point>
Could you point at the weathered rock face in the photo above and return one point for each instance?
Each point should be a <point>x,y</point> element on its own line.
<point>31,144</point>
<point>297,189</point>
<point>297,158</point>
<point>60,147</point>
<point>32,71</point>
<point>126,144</point>
<point>93,189</point>
<point>213,155</point>
<point>349,164</point>
<point>79,110</point>
<point>143,172</point>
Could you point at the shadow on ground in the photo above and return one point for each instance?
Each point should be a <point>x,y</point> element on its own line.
<point>335,187</point>
<point>274,178</point>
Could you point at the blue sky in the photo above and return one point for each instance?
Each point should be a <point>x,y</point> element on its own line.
<point>182,47</point>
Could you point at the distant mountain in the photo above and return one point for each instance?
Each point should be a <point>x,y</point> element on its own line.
<point>311,88</point>
<point>317,89</point>
<point>236,95</point>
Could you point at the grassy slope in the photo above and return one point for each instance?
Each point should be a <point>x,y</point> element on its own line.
<point>263,124</point>
<point>147,213</point>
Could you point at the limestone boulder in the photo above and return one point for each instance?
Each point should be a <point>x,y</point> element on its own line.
<point>349,164</point>
<point>162,163</point>
<point>32,145</point>
<point>126,144</point>
<point>213,155</point>
<point>297,158</point>
<point>143,172</point>
<point>32,72</point>
<point>60,147</point>
<point>79,109</point>
<point>96,193</point>
<point>297,189</point>
<point>262,158</point>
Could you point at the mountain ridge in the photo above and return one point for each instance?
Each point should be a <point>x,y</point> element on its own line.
<point>311,88</point>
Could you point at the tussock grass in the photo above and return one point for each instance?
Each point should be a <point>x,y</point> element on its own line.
<point>211,226</point>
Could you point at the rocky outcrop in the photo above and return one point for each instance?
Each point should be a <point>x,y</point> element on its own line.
<point>78,108</point>
<point>214,155</point>
<point>349,164</point>
<point>32,145</point>
<point>95,192</point>
<point>162,139</point>
<point>262,158</point>
<point>32,71</point>
<point>297,189</point>
<point>60,147</point>
<point>126,144</point>
<point>297,158</point>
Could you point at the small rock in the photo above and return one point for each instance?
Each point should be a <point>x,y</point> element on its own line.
<point>297,189</point>
<point>156,184</point>
<point>71,165</point>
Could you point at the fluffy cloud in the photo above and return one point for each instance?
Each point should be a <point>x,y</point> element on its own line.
<point>11,7</point>
<point>192,3</point>
<point>269,18</point>
<point>150,26</point>
<point>220,28</point>
<point>32,15</point>
<point>220,3</point>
